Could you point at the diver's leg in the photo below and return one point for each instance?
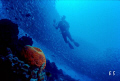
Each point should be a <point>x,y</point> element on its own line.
<point>69,36</point>
<point>64,37</point>
<point>66,41</point>
<point>70,45</point>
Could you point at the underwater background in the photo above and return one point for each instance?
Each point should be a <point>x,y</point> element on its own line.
<point>95,25</point>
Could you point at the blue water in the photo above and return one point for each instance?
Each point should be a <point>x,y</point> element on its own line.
<point>96,22</point>
<point>95,25</point>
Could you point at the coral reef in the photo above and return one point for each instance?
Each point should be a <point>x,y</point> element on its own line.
<point>19,68</point>
<point>33,56</point>
<point>32,66</point>
<point>55,74</point>
<point>8,35</point>
<point>13,69</point>
<point>25,40</point>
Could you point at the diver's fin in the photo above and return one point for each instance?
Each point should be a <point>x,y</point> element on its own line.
<point>70,46</point>
<point>76,44</point>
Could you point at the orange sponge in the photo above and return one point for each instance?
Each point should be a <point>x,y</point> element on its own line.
<point>33,56</point>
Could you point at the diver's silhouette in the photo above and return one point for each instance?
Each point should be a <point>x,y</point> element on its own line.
<point>64,28</point>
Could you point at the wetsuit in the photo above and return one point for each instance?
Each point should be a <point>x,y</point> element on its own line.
<point>64,27</point>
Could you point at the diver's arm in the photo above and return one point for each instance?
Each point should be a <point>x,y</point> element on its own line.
<point>58,25</point>
<point>55,26</point>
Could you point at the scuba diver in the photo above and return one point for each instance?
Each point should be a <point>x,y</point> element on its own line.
<point>63,25</point>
